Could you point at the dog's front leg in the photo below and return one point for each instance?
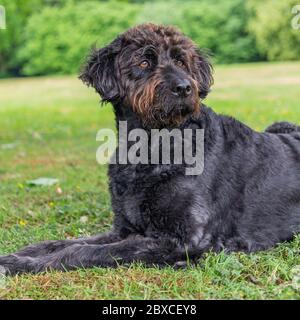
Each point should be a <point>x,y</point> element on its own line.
<point>146,250</point>
<point>48,247</point>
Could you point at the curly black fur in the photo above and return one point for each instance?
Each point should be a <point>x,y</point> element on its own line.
<point>247,199</point>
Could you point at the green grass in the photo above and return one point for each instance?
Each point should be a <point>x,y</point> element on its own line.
<point>50,124</point>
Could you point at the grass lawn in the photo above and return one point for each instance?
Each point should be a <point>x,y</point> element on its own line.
<point>47,129</point>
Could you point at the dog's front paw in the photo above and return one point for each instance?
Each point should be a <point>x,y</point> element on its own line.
<point>11,265</point>
<point>3,273</point>
<point>8,265</point>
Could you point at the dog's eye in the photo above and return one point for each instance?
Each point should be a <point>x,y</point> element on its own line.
<point>144,64</point>
<point>179,62</point>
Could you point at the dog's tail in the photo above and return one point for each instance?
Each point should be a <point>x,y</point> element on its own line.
<point>283,127</point>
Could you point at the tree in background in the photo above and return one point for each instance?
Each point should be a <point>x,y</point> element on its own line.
<point>271,24</point>
<point>58,38</point>
<point>17,13</point>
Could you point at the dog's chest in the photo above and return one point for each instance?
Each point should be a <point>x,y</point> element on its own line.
<point>156,201</point>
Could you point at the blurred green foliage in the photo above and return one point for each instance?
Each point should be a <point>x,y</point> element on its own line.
<point>271,24</point>
<point>54,36</point>
<point>58,38</point>
<point>17,13</point>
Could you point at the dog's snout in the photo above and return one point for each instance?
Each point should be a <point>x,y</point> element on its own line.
<point>182,88</point>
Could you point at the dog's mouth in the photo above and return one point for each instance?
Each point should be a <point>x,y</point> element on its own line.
<point>180,108</point>
<point>172,115</point>
<point>185,109</point>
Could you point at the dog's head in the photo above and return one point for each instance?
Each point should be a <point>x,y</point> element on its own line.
<point>153,69</point>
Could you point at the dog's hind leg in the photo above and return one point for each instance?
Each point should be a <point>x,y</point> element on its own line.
<point>48,247</point>
<point>149,251</point>
<point>283,127</point>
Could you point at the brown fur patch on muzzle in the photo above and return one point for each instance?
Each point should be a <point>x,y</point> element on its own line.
<point>142,99</point>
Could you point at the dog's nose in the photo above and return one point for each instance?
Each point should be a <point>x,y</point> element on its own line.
<point>182,88</point>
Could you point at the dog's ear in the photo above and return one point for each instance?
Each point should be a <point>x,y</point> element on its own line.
<point>203,73</point>
<point>100,71</point>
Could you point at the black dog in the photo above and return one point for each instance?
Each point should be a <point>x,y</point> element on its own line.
<point>247,198</point>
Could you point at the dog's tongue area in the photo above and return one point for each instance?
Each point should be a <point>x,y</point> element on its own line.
<point>185,111</point>
<point>178,110</point>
